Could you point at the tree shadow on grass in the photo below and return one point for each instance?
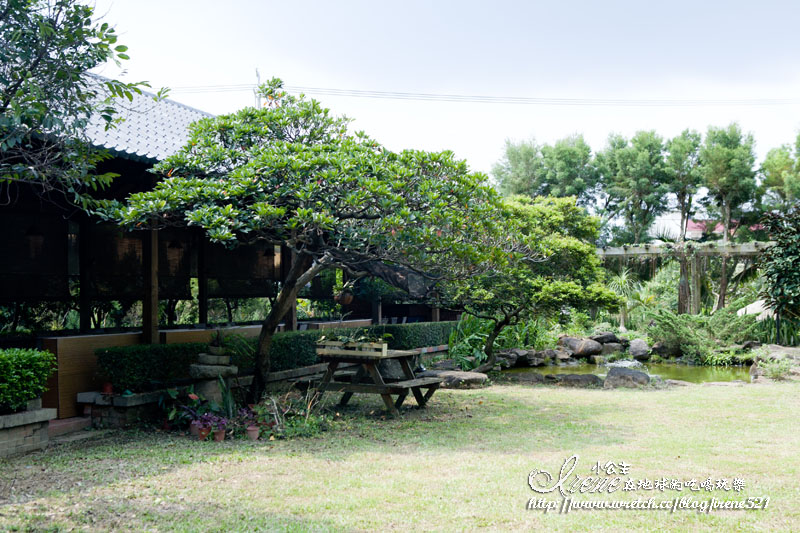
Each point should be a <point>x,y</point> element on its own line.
<point>500,420</point>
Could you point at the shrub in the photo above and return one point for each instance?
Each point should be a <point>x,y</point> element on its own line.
<point>776,368</point>
<point>145,367</point>
<point>23,376</point>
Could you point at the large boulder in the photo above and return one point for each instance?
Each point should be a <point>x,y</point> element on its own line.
<point>625,363</point>
<point>639,350</point>
<point>662,350</point>
<point>605,337</point>
<point>612,347</point>
<point>580,380</point>
<point>456,379</point>
<point>509,358</point>
<point>534,358</point>
<point>625,377</point>
<point>581,348</point>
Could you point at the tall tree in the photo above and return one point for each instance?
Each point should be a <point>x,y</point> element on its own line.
<point>291,174</point>
<point>727,158</point>
<point>46,98</point>
<point>635,178</point>
<point>521,169</point>
<point>564,169</point>
<point>684,178</point>
<point>781,174</point>
<point>683,173</point>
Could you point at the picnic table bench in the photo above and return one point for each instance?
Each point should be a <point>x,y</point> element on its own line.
<point>368,378</point>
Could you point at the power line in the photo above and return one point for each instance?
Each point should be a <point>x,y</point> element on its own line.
<point>508,100</point>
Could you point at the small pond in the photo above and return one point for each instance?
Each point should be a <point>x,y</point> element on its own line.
<point>693,374</point>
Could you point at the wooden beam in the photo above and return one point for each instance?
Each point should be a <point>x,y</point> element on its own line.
<point>150,299</point>
<point>84,296</point>
<point>702,249</point>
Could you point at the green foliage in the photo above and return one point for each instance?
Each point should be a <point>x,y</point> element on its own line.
<point>291,415</point>
<point>47,48</point>
<point>564,169</point>
<point>468,338</point>
<point>147,366</point>
<point>23,376</point>
<point>781,178</point>
<point>683,173</point>
<point>703,339</point>
<point>781,263</point>
<point>636,180</point>
<point>775,368</point>
<point>727,158</point>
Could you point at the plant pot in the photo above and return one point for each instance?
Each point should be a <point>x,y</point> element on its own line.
<point>202,433</point>
<point>194,429</point>
<point>253,432</point>
<point>108,388</point>
<point>216,350</point>
<point>344,298</point>
<point>219,435</point>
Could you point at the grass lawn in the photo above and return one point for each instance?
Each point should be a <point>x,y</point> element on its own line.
<point>461,464</point>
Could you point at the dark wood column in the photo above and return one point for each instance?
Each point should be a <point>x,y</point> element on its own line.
<point>150,299</point>
<point>435,317</point>
<point>84,297</point>
<point>202,279</point>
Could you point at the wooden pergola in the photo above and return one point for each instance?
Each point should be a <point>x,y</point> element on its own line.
<point>690,253</point>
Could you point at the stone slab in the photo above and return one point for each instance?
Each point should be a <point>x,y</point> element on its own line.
<point>27,417</point>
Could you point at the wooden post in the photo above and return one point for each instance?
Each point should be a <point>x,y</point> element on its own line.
<point>696,285</point>
<point>84,297</point>
<point>202,280</point>
<point>377,311</point>
<point>435,314</point>
<point>150,300</point>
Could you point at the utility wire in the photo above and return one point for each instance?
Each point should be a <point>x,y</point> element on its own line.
<point>512,100</point>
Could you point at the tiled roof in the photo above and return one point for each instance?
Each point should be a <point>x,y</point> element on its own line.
<point>151,130</point>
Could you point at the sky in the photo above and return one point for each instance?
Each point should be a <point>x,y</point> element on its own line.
<point>707,51</point>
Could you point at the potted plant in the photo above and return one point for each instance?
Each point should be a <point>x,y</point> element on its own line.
<point>253,432</point>
<point>219,425</point>
<point>216,346</point>
<point>204,425</point>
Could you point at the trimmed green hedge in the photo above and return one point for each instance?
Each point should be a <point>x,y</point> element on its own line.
<point>23,376</point>
<point>145,367</point>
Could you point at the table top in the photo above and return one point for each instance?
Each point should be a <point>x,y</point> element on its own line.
<point>345,355</point>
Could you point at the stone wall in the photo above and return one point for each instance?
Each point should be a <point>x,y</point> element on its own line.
<point>25,431</point>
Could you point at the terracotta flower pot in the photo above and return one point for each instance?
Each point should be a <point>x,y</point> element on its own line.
<point>194,429</point>
<point>202,433</point>
<point>108,388</point>
<point>219,435</point>
<point>253,432</point>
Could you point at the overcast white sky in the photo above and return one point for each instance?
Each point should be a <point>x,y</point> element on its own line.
<point>681,50</point>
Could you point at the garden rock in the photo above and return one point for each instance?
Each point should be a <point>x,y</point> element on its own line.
<point>625,377</point>
<point>751,345</point>
<point>612,347</point>
<point>509,358</point>
<point>605,338</point>
<point>537,358</point>
<point>624,341</point>
<point>212,371</point>
<point>456,379</point>
<point>678,383</point>
<point>580,380</point>
<point>207,359</point>
<point>625,363</point>
<point>639,350</point>
<point>391,369</point>
<point>580,347</point>
<point>662,350</point>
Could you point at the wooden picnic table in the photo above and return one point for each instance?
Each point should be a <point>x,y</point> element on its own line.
<point>368,378</point>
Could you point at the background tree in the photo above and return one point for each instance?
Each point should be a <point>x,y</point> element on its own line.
<point>564,169</point>
<point>781,264</point>
<point>46,98</point>
<point>727,159</point>
<point>521,170</point>
<point>635,178</point>
<point>290,174</point>
<point>683,173</point>
<point>554,267</point>
<point>781,175</point>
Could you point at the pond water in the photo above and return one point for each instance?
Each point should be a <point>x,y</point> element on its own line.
<point>693,374</point>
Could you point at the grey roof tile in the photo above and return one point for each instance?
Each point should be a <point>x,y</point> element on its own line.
<point>150,131</point>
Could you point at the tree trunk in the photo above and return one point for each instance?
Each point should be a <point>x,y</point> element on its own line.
<point>488,348</point>
<point>299,274</point>
<point>683,286</point>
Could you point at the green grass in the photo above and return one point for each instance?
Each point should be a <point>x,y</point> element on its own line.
<point>462,464</point>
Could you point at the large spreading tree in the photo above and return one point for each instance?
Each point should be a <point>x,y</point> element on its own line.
<point>47,48</point>
<point>291,174</point>
<point>550,266</point>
